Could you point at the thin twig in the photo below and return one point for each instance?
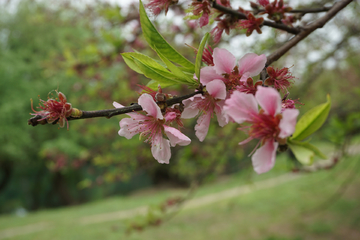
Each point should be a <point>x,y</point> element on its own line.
<point>108,113</point>
<point>307,30</point>
<point>241,15</point>
<point>302,11</point>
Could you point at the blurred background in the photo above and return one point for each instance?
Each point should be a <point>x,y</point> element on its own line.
<point>89,182</point>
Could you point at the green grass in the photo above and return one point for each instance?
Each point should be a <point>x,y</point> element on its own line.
<point>299,209</point>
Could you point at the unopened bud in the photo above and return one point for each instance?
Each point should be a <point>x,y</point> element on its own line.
<point>160,97</point>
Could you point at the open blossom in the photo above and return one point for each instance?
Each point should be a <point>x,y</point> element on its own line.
<point>153,127</point>
<point>231,72</point>
<point>208,104</point>
<point>269,124</point>
<point>54,109</point>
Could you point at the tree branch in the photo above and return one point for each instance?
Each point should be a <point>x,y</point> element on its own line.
<point>305,31</point>
<point>241,15</point>
<point>302,11</point>
<point>315,10</point>
<point>108,113</point>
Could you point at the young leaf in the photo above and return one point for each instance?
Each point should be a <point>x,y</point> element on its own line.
<point>302,154</point>
<point>154,84</point>
<point>181,76</point>
<point>155,40</point>
<point>199,55</point>
<point>311,121</point>
<point>309,147</point>
<point>155,75</point>
<point>149,62</point>
<point>130,62</point>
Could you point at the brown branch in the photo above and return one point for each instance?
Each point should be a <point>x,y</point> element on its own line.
<point>305,31</point>
<point>302,11</point>
<point>241,15</point>
<point>108,113</point>
<point>315,10</point>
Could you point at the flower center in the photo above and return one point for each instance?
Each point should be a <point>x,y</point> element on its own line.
<point>265,126</point>
<point>150,128</point>
<point>232,80</point>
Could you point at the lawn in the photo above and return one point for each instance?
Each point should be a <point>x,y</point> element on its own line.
<point>308,207</point>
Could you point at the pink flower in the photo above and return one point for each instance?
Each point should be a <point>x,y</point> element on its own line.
<point>276,10</point>
<point>152,127</point>
<point>249,87</point>
<point>232,75</point>
<point>290,104</point>
<point>156,6</point>
<point>251,24</point>
<point>202,8</point>
<point>223,25</point>
<point>212,101</point>
<point>269,125</point>
<point>281,79</point>
<point>54,109</point>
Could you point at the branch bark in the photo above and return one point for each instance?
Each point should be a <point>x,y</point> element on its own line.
<point>305,31</point>
<point>108,113</point>
<point>241,15</point>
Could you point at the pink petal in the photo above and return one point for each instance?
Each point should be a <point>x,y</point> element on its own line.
<point>160,149</point>
<point>269,99</point>
<point>288,122</point>
<point>216,89</point>
<point>207,74</point>
<point>190,107</point>
<point>149,105</point>
<point>117,105</point>
<point>129,127</point>
<point>264,158</point>
<point>244,77</point>
<point>221,118</point>
<point>170,116</point>
<point>252,63</point>
<point>176,137</point>
<point>240,107</point>
<point>202,126</point>
<point>224,61</point>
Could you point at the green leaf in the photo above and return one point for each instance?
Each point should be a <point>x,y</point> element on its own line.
<point>311,121</point>
<point>199,55</point>
<point>155,40</point>
<point>155,75</point>
<point>154,84</point>
<point>309,147</point>
<point>180,75</point>
<point>148,61</point>
<point>130,62</point>
<point>302,154</point>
